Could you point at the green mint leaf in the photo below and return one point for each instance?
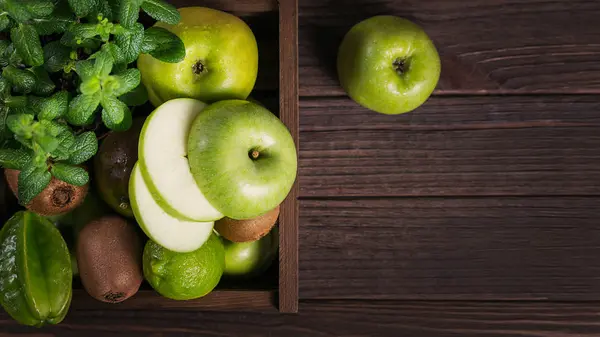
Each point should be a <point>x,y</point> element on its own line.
<point>70,174</point>
<point>119,68</point>
<point>17,102</point>
<point>130,42</point>
<point>4,47</point>
<point>163,45</point>
<point>4,87</point>
<point>129,12</point>
<point>13,56</point>
<point>4,131</point>
<point>161,11</point>
<point>44,86</point>
<point>127,80</point>
<point>114,51</point>
<point>138,96</point>
<point>39,8</point>
<point>32,181</point>
<point>82,108</point>
<point>57,22</point>
<point>84,148</point>
<point>16,159</point>
<point>82,7</point>
<point>64,137</point>
<point>51,25</point>
<point>57,56</point>
<point>91,86</point>
<point>4,22</point>
<point>40,156</point>
<point>23,81</point>
<point>17,10</point>
<point>28,44</point>
<point>45,140</point>
<point>70,40</point>
<point>35,104</point>
<point>55,106</point>
<point>84,30</point>
<point>106,9</point>
<point>103,63</point>
<point>85,70</point>
<point>115,114</point>
<point>21,125</point>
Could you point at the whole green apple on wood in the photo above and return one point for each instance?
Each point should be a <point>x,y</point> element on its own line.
<point>221,59</point>
<point>242,157</point>
<point>388,64</point>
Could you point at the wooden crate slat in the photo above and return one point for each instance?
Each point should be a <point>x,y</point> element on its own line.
<point>338,318</point>
<point>289,114</point>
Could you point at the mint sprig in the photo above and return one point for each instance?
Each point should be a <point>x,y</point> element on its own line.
<point>67,67</point>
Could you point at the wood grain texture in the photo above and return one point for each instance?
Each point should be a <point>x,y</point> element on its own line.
<point>337,318</point>
<point>225,300</point>
<point>289,114</point>
<point>494,46</point>
<point>451,146</point>
<point>451,248</point>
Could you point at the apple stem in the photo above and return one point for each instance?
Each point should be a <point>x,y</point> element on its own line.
<point>255,154</point>
<point>198,67</point>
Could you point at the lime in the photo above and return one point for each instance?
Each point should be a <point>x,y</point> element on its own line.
<point>184,276</point>
<point>35,270</point>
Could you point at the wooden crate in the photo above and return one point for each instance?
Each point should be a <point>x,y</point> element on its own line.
<point>274,24</point>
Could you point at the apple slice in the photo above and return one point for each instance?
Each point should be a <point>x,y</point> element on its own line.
<point>164,164</point>
<point>172,233</point>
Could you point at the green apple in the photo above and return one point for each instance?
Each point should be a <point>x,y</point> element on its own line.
<point>388,64</point>
<point>242,157</point>
<point>164,165</point>
<point>221,59</point>
<point>248,259</point>
<point>169,232</point>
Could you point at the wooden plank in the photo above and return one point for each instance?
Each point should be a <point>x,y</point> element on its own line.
<point>498,145</point>
<point>494,46</point>
<point>223,300</point>
<point>289,114</point>
<point>451,248</point>
<point>337,318</point>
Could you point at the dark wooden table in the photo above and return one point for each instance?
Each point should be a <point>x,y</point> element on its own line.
<point>477,215</point>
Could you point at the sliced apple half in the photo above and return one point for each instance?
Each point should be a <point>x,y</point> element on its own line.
<point>172,233</point>
<point>164,164</point>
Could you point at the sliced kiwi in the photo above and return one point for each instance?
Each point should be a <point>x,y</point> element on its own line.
<point>249,229</point>
<point>59,197</point>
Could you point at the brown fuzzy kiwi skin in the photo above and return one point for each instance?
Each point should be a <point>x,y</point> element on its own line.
<point>249,229</point>
<point>58,198</point>
<point>109,257</point>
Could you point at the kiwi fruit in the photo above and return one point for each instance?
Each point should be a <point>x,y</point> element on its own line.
<point>113,164</point>
<point>109,259</point>
<point>248,229</point>
<point>57,198</point>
